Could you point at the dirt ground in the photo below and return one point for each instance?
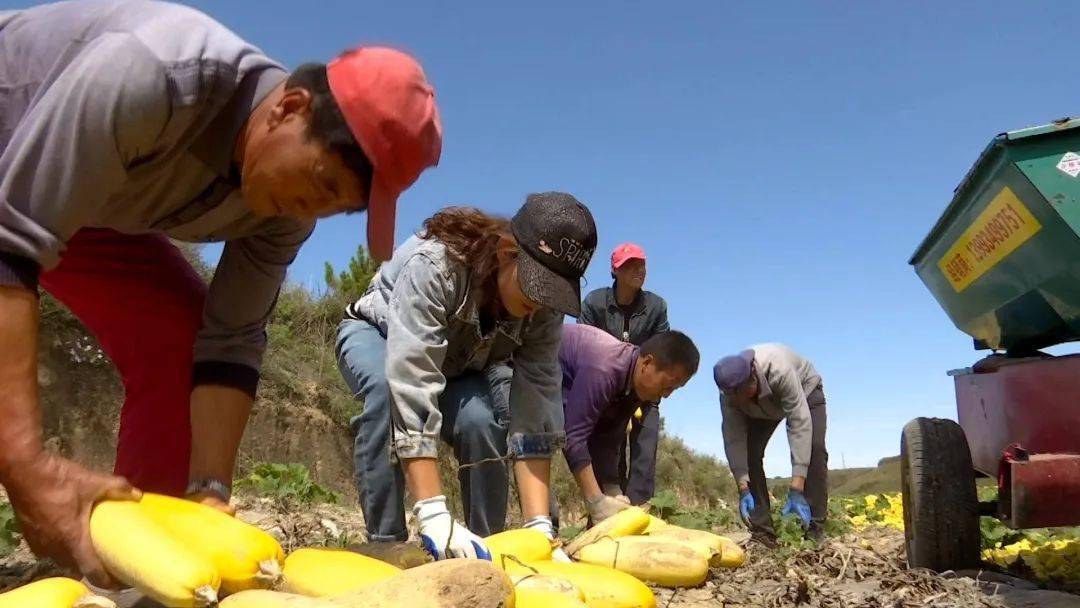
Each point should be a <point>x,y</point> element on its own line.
<point>864,569</point>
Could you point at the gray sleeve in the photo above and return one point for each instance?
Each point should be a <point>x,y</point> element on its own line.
<point>736,442</point>
<point>588,315</point>
<point>72,150</point>
<point>536,404</point>
<point>416,344</point>
<point>785,383</point>
<point>242,295</point>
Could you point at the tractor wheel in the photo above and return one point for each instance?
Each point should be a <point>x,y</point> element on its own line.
<point>941,521</point>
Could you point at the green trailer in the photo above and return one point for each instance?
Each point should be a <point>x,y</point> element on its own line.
<point>1004,263</point>
<point>1004,259</point>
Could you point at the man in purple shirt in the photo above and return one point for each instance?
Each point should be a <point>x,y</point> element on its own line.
<point>604,381</point>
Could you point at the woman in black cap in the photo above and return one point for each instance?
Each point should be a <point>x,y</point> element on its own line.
<point>457,338</point>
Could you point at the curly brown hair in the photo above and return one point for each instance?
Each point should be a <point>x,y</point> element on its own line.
<point>472,239</point>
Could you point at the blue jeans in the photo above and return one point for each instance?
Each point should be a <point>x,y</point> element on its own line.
<point>476,413</point>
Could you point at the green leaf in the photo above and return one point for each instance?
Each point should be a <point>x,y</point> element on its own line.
<point>9,530</point>
<point>881,503</point>
<point>568,533</point>
<point>792,534</point>
<point>290,482</point>
<point>665,503</point>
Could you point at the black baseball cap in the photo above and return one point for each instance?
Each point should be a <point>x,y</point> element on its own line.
<point>557,237</point>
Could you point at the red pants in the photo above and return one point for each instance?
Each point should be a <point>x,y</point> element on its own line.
<point>143,302</point>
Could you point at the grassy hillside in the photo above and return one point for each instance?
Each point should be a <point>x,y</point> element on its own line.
<point>885,477</point>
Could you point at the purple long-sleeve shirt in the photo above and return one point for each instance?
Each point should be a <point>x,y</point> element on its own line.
<point>598,394</point>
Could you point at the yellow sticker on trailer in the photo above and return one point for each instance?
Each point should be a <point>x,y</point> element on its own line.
<point>1003,226</point>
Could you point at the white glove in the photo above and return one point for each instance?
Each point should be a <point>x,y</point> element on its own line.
<point>543,524</point>
<point>606,506</point>
<point>443,537</point>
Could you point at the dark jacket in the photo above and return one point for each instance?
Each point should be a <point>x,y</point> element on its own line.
<point>648,319</point>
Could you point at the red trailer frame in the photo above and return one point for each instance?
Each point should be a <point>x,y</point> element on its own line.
<point>1022,423</point>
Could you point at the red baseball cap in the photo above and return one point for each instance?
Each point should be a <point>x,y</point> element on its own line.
<point>390,108</point>
<point>624,252</point>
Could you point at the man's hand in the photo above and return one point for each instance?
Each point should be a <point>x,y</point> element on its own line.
<point>443,537</point>
<point>53,498</point>
<point>797,505</point>
<point>604,507</point>
<point>746,505</point>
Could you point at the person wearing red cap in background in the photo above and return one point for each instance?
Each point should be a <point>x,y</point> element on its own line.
<point>125,123</point>
<point>631,314</point>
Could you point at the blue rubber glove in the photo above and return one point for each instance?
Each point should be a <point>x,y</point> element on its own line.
<point>797,505</point>
<point>746,505</point>
<point>443,537</point>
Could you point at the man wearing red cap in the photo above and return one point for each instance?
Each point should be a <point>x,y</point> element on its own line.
<point>123,123</point>
<point>631,314</point>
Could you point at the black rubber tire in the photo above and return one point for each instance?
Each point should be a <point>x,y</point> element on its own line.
<point>941,517</point>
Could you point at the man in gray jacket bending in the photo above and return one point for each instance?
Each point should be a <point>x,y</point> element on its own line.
<point>760,387</point>
<point>124,123</point>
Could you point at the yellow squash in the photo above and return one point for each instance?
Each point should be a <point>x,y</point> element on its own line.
<point>603,587</point>
<point>704,549</point>
<point>329,572</point>
<point>260,598</point>
<point>539,598</point>
<point>655,525</point>
<point>144,555</point>
<point>729,553</point>
<point>667,564</point>
<point>245,556</point>
<point>55,592</point>
<point>547,584</point>
<point>624,523</point>
<point>522,544</point>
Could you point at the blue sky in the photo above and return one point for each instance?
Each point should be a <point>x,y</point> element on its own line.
<point>779,161</point>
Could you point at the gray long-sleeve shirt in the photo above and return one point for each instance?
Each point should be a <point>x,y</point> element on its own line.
<point>425,304</point>
<point>788,386</point>
<point>124,114</point>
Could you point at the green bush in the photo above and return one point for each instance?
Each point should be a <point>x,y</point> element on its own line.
<point>288,482</point>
